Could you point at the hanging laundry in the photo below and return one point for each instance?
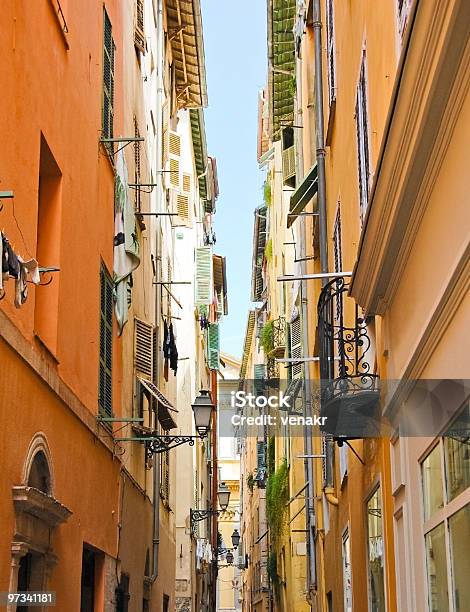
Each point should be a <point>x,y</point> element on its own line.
<point>14,267</point>
<point>173,350</point>
<point>170,352</point>
<point>126,244</point>
<point>27,268</point>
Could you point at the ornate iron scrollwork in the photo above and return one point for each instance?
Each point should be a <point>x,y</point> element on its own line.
<point>160,444</point>
<point>347,379</point>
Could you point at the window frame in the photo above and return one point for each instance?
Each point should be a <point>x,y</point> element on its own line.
<point>377,487</point>
<point>331,51</point>
<point>363,137</point>
<point>106,324</point>
<point>108,92</point>
<point>442,516</point>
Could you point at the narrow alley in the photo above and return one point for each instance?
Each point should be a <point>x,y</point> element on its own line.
<point>234,306</point>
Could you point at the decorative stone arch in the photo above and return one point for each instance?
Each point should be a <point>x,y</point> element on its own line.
<point>38,447</point>
<point>37,514</point>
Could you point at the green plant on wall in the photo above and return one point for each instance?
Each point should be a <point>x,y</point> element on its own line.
<point>272,572</point>
<point>271,462</point>
<point>250,482</point>
<point>277,496</point>
<point>267,336</point>
<point>268,250</point>
<point>267,192</point>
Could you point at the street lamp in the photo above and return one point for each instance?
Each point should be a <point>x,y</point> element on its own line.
<point>202,409</point>
<point>223,495</point>
<point>235,538</point>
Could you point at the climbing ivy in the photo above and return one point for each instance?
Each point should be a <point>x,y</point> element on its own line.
<point>277,496</point>
<point>267,336</point>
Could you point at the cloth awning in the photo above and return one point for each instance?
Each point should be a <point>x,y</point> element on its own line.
<point>303,194</point>
<point>165,409</point>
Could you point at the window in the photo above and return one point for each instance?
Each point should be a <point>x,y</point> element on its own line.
<point>137,171</point>
<point>39,474</point>
<point>139,35</point>
<point>295,337</point>
<point>403,9</point>
<point>347,584</point>
<point>375,547</point>
<point>106,343</point>
<point>330,41</point>
<point>166,603</point>
<point>362,131</point>
<point>87,592</point>
<point>108,78</point>
<point>338,257</point>
<point>48,246</point>
<point>122,594</point>
<point>446,481</point>
<point>165,475</point>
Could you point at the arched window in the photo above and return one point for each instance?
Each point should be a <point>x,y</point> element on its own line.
<point>39,474</point>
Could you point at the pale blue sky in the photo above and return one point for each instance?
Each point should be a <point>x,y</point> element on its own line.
<point>235,47</point>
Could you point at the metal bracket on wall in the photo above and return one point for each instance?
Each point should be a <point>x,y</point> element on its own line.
<point>5,195</point>
<point>126,141</point>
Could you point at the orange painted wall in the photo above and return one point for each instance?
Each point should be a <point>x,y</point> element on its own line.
<point>51,91</point>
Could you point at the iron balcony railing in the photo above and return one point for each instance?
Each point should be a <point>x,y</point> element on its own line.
<point>349,388</point>
<point>279,338</point>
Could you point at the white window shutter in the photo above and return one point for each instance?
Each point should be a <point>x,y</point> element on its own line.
<point>296,346</point>
<point>204,276</point>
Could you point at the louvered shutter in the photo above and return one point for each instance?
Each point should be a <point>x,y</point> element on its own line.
<point>106,344</point>
<point>259,374</point>
<point>184,200</point>
<point>261,455</point>
<point>139,36</point>
<point>173,174</point>
<point>296,347</point>
<point>108,78</point>
<point>143,348</point>
<point>204,276</point>
<point>213,346</point>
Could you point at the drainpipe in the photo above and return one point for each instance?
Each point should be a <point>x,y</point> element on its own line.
<point>159,179</point>
<point>320,146</point>
<point>307,403</point>
<point>215,485</point>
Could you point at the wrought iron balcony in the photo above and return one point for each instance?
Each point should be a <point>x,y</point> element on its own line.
<point>272,369</point>
<point>349,388</point>
<point>279,338</point>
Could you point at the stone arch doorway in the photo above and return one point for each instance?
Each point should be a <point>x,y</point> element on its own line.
<point>37,514</point>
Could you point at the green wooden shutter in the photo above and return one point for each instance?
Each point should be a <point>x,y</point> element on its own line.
<point>108,78</point>
<point>213,346</point>
<point>106,344</point>
<point>203,285</point>
<point>259,374</point>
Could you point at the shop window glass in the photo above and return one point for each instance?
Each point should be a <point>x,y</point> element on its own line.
<point>459,529</point>
<point>437,570</point>
<point>432,483</point>
<point>376,553</point>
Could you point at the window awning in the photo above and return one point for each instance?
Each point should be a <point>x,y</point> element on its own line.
<point>186,36</point>
<point>164,407</point>
<point>303,194</point>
